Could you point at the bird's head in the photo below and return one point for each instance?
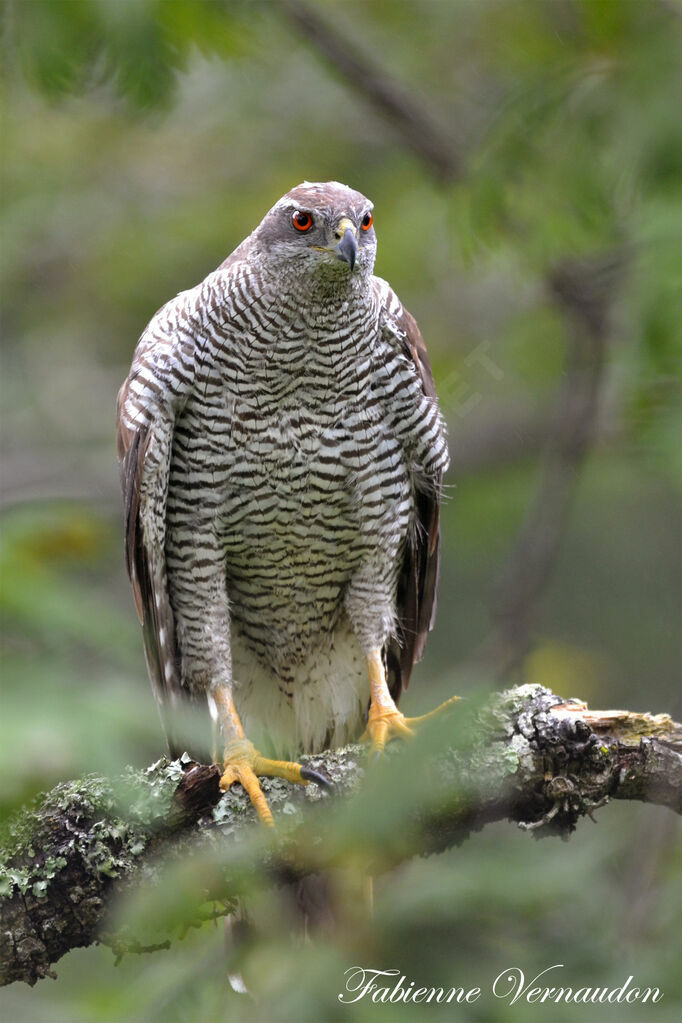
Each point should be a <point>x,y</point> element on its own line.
<point>321,228</point>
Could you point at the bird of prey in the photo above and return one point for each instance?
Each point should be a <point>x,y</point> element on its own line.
<point>281,452</point>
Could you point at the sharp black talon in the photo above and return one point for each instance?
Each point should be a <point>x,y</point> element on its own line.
<point>319,779</point>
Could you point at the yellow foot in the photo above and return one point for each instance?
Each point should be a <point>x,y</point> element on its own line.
<point>387,722</point>
<point>243,763</point>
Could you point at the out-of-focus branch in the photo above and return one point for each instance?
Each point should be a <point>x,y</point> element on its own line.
<point>409,116</point>
<point>508,437</point>
<point>530,757</point>
<point>584,290</point>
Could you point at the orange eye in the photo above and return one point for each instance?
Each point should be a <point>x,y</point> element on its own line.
<point>302,220</point>
<point>367,221</point>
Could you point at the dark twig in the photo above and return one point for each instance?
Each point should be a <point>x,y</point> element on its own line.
<point>584,290</point>
<point>514,436</point>
<point>411,118</point>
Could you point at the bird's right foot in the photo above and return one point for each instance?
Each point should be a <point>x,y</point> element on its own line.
<point>244,764</point>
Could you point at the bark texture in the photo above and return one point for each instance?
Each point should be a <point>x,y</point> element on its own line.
<point>529,757</point>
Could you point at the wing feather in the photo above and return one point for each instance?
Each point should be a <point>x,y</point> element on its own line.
<point>420,569</point>
<point>144,445</point>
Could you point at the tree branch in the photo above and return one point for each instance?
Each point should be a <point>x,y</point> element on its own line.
<point>411,118</point>
<point>584,291</point>
<point>530,757</point>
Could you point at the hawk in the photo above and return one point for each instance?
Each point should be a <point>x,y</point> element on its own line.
<point>281,452</point>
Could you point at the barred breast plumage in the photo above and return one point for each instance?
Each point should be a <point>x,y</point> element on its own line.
<point>282,452</point>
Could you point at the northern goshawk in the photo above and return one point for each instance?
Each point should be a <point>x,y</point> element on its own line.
<point>281,452</point>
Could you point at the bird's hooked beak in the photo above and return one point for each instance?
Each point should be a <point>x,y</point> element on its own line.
<point>347,249</point>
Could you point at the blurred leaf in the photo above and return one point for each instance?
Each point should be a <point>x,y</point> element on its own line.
<point>66,46</point>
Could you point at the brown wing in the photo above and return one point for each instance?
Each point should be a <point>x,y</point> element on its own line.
<point>145,560</point>
<point>420,572</point>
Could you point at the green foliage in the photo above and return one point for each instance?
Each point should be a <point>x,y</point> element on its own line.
<point>67,46</point>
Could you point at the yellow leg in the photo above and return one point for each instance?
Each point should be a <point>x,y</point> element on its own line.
<point>385,721</point>
<point>244,764</point>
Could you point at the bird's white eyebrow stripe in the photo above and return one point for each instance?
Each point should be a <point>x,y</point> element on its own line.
<point>291,204</point>
<point>286,204</point>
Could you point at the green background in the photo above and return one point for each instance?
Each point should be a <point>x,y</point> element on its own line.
<point>141,141</point>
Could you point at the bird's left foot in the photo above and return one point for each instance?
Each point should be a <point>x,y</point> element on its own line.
<point>387,722</point>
